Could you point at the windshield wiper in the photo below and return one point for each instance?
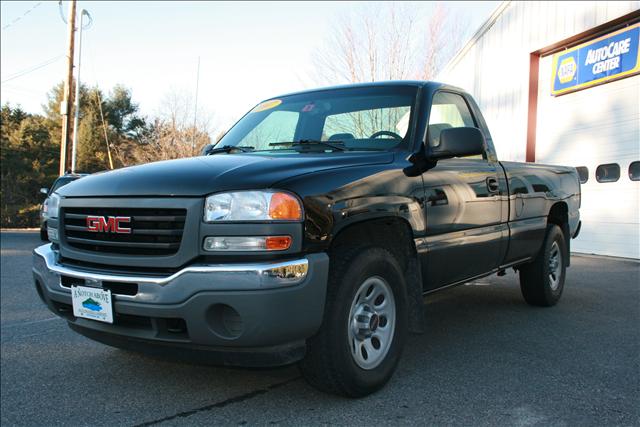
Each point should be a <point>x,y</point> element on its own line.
<point>228,149</point>
<point>312,142</point>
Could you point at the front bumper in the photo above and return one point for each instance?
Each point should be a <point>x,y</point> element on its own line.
<point>267,308</point>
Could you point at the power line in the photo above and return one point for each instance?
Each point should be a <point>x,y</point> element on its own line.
<point>21,16</point>
<point>32,69</point>
<point>16,88</point>
<point>61,12</point>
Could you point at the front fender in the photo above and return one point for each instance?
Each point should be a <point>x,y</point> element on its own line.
<point>339,198</point>
<point>351,211</point>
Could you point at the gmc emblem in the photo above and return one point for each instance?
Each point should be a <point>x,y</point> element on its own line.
<point>112,224</point>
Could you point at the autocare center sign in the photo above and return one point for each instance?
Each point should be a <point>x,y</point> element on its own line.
<point>606,58</point>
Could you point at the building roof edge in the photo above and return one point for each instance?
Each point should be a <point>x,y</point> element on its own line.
<point>472,41</point>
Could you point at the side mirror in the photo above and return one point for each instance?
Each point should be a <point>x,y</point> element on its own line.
<point>458,142</point>
<point>44,191</point>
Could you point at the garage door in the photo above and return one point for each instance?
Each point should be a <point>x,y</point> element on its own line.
<point>598,130</point>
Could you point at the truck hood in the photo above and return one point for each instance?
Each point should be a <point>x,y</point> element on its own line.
<point>198,176</point>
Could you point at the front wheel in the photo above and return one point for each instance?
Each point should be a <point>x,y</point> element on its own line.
<point>360,341</point>
<point>542,280</point>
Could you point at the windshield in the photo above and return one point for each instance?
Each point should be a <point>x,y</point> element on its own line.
<point>366,118</point>
<point>61,182</point>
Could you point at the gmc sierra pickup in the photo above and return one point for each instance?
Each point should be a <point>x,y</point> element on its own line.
<point>310,233</point>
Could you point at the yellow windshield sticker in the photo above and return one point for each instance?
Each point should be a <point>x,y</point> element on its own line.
<point>267,105</point>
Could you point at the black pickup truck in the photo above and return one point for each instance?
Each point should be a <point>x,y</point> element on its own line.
<point>310,233</point>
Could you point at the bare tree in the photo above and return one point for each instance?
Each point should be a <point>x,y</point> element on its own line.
<point>172,134</point>
<point>388,41</point>
<point>444,36</point>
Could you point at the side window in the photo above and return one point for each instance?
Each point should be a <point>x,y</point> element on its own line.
<point>609,172</point>
<point>448,110</point>
<point>634,171</point>
<point>583,173</point>
<point>279,126</point>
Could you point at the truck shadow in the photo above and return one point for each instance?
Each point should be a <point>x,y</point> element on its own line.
<point>481,333</point>
<point>470,319</point>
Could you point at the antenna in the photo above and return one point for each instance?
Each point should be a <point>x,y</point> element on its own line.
<point>195,108</point>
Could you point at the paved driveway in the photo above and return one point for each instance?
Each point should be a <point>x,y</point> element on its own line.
<point>486,359</point>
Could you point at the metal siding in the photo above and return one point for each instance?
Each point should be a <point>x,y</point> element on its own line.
<point>588,128</point>
<point>495,70</point>
<point>501,66</point>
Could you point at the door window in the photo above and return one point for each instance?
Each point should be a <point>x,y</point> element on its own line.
<point>448,110</point>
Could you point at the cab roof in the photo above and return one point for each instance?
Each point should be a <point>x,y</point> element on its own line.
<point>389,83</point>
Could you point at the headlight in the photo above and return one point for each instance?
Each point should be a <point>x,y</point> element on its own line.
<point>252,206</point>
<point>52,206</point>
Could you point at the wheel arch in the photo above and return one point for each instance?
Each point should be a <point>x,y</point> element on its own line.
<point>396,235</point>
<point>559,215</point>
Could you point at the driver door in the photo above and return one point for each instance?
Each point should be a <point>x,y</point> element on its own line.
<point>463,204</point>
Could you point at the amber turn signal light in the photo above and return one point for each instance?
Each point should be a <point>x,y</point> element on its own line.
<point>284,206</point>
<point>278,243</point>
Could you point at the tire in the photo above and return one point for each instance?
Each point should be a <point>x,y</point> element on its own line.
<point>542,281</point>
<point>366,307</point>
<point>43,235</point>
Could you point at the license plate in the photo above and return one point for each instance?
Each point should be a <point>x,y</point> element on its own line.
<point>92,303</point>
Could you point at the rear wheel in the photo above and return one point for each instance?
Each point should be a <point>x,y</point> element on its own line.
<point>542,281</point>
<point>360,342</point>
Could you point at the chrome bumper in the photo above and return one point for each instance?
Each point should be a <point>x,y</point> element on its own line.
<point>277,303</point>
<point>194,278</point>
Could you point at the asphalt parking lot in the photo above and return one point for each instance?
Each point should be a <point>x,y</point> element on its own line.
<point>486,359</point>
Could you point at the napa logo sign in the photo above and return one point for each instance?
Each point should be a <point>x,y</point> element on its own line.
<point>567,70</point>
<point>606,58</point>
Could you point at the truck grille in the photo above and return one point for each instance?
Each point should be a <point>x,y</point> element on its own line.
<point>153,231</point>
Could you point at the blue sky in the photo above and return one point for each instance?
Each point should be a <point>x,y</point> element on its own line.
<point>248,50</point>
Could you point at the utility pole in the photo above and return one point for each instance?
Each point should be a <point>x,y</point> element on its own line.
<point>76,120</point>
<point>67,103</point>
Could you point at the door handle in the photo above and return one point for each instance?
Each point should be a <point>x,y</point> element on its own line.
<point>492,185</point>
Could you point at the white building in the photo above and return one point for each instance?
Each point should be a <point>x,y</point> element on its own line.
<point>559,83</point>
